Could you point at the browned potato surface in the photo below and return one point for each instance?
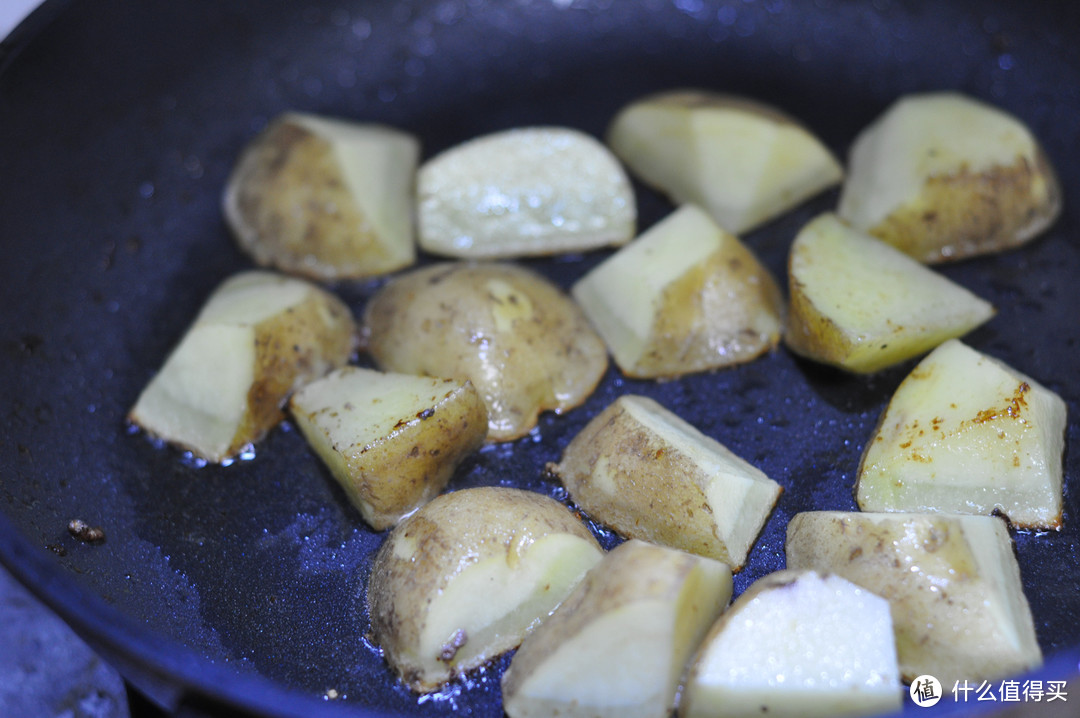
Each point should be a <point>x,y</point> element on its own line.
<point>391,440</point>
<point>862,305</point>
<point>965,433</point>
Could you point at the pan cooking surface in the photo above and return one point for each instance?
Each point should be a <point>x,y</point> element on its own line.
<point>120,123</point>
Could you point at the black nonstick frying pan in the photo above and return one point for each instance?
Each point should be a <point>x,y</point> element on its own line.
<point>242,585</point>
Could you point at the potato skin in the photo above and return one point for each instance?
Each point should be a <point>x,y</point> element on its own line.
<point>288,206</point>
<point>295,347</point>
<point>424,553</point>
<point>808,332</point>
<point>300,342</point>
<point>693,329</point>
<point>967,214</point>
<point>952,581</point>
<point>634,481</point>
<point>524,344</point>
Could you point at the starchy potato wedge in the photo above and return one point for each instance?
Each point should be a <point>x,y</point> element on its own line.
<point>797,644</point>
<point>965,433</point>
<point>645,472</point>
<point>958,607</point>
<point>619,643</point>
<point>527,191</point>
<point>526,346</point>
<point>743,161</point>
<point>942,176</point>
<point>862,305</point>
<point>259,337</point>
<point>325,198</point>
<point>468,576</point>
<point>391,440</point>
<point>686,296</point>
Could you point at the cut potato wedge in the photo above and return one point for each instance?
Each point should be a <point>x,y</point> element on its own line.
<point>797,644</point>
<point>942,176</point>
<point>619,643</point>
<point>862,305</point>
<point>325,198</point>
<point>743,161</point>
<point>391,440</point>
<point>524,344</point>
<point>964,433</point>
<point>259,337</point>
<point>958,606</point>
<point>686,296</point>
<point>643,471</point>
<point>468,576</point>
<point>528,191</point>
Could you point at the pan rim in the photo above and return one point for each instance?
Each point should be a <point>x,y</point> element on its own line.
<point>192,673</point>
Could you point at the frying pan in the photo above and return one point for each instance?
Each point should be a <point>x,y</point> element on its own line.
<point>242,586</point>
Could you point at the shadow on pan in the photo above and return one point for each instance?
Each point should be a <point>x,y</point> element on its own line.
<point>242,585</point>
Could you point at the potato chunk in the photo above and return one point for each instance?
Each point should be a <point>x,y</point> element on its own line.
<point>524,344</point>
<point>643,471</point>
<point>619,643</point>
<point>684,297</point>
<point>797,644</point>
<point>965,433</point>
<point>859,304</point>
<point>958,607</point>
<point>528,191</point>
<point>743,161</point>
<point>391,440</point>
<point>942,176</point>
<point>325,198</point>
<point>259,337</point>
<point>468,576</point>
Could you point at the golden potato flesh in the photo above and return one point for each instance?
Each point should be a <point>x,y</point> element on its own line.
<point>259,337</point>
<point>686,296</point>
<point>797,644</point>
<point>645,472</point>
<point>468,576</point>
<point>958,606</point>
<point>523,343</point>
<point>325,198</point>
<point>391,440</point>
<point>942,176</point>
<point>524,192</point>
<point>743,161</point>
<point>861,305</point>
<point>965,433</point>
<point>618,645</point>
